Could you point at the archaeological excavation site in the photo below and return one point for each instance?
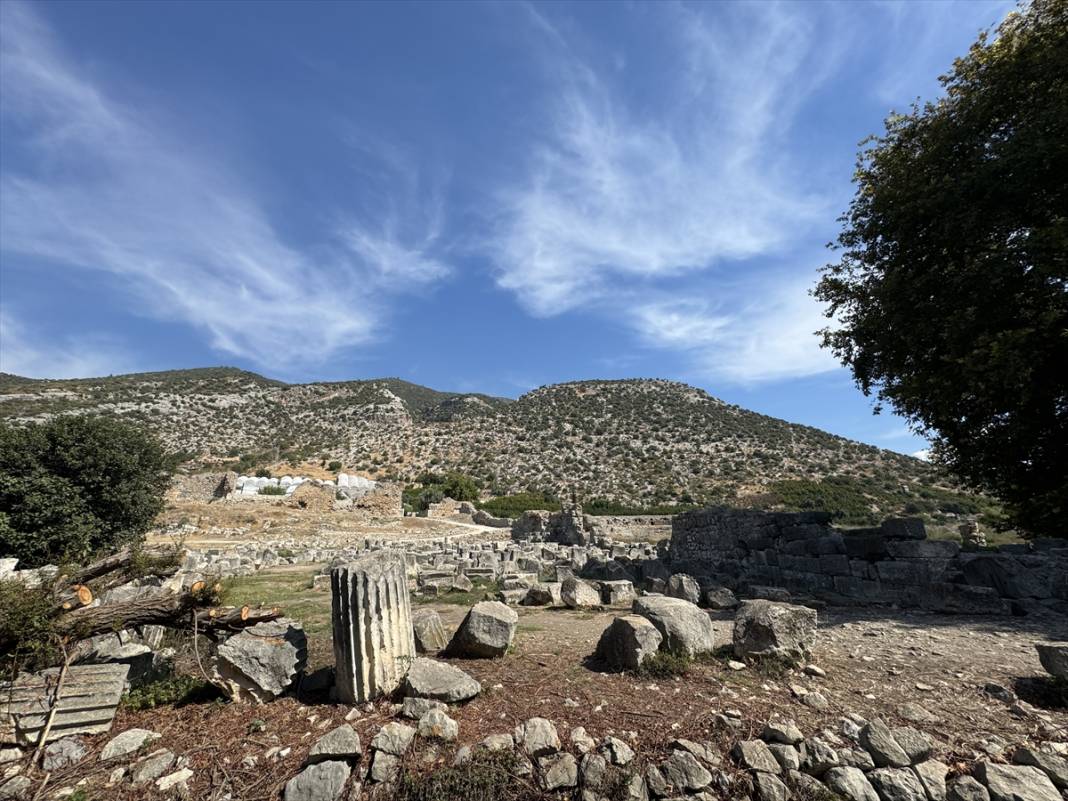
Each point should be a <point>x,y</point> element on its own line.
<point>318,643</point>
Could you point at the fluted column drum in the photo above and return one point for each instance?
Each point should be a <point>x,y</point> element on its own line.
<point>372,620</point>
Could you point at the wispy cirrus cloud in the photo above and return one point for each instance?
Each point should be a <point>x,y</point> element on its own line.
<point>617,202</point>
<point>109,190</point>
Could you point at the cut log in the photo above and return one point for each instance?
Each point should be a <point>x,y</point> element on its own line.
<point>165,610</point>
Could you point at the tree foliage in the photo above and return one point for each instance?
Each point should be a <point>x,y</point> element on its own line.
<point>950,298</point>
<point>76,486</point>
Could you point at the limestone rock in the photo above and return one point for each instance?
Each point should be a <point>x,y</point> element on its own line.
<point>429,632</point>
<point>324,781</point>
<point>1056,767</point>
<point>685,629</point>
<point>435,724</point>
<point>851,784</point>
<point>177,780</point>
<point>768,629</point>
<point>770,788</point>
<point>127,742</point>
<point>62,753</point>
<point>755,755</point>
<point>393,738</point>
<point>384,767</point>
<point>261,663</point>
<point>427,678</point>
<point>720,598</point>
<point>558,771</point>
<point>1054,658</point>
<point>342,743</point>
<point>932,775</point>
<point>683,586</point>
<point>782,731</point>
<point>878,740</point>
<point>152,766</point>
<point>414,708</point>
<point>486,632</point>
<point>537,737</point>
<point>576,593</point>
<point>627,642</point>
<point>897,784</point>
<point>684,772</point>
<point>817,757</point>
<point>1016,782</point>
<point>617,751</point>
<point>966,788</point>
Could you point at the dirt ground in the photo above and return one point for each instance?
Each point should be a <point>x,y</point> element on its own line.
<point>876,661</point>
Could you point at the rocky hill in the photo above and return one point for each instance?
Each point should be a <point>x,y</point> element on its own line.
<point>640,442</point>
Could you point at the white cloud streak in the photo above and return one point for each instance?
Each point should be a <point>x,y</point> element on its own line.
<point>745,335</point>
<point>617,200</point>
<point>111,191</point>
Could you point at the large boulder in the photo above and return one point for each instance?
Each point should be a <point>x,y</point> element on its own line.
<point>429,632</point>
<point>1016,782</point>
<point>261,663</point>
<point>1054,658</point>
<point>685,629</point>
<point>576,593</point>
<point>627,642</point>
<point>768,629</point>
<point>439,681</point>
<point>486,632</point>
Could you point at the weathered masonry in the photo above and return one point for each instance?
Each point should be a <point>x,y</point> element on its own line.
<point>894,563</point>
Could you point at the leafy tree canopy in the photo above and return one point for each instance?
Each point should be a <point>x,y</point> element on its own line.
<point>950,299</point>
<point>76,486</point>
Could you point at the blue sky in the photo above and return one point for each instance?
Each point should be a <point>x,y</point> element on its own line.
<point>479,197</point>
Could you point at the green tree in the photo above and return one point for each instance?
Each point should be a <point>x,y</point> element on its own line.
<point>950,299</point>
<point>76,486</point>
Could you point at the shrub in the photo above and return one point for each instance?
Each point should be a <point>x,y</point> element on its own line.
<point>272,489</point>
<point>515,505</point>
<point>25,627</point>
<point>334,466</point>
<point>76,486</point>
<point>664,665</point>
<point>487,776</point>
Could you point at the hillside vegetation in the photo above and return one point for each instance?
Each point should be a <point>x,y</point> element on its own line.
<point>632,444</point>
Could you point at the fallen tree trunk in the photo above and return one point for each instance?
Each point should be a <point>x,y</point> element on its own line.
<point>178,611</point>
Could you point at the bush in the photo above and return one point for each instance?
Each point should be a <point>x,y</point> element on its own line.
<point>664,665</point>
<point>25,627</point>
<point>271,489</point>
<point>334,466</point>
<point>263,472</point>
<point>515,505</point>
<point>77,486</point>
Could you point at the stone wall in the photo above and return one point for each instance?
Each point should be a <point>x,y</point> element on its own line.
<point>630,528</point>
<point>894,563</point>
<point>202,487</point>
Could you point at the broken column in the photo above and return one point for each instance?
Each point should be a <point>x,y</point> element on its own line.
<point>373,639</point>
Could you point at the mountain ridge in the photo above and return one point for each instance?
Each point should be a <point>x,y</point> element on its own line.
<point>638,441</point>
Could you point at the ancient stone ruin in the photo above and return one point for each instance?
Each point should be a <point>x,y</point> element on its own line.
<point>894,563</point>
<point>372,624</point>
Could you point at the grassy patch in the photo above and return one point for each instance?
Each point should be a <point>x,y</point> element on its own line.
<point>289,590</point>
<point>178,690</point>
<point>489,776</point>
